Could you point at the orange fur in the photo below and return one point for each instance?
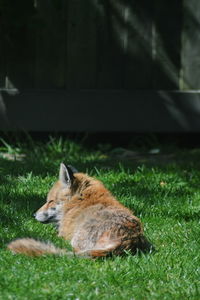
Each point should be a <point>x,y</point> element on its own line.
<point>89,216</point>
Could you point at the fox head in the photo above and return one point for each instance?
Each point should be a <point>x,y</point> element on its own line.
<point>62,190</point>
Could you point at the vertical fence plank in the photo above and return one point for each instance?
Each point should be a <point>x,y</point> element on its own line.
<point>81,45</point>
<point>167,43</point>
<point>111,33</point>
<point>18,48</point>
<point>2,50</point>
<point>50,44</point>
<point>190,75</point>
<point>103,53</point>
<point>138,16</point>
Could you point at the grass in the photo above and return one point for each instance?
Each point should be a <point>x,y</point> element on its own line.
<point>164,193</point>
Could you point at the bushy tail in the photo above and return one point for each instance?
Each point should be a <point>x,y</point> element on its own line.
<point>32,247</point>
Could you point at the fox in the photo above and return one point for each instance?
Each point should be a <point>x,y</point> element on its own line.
<point>86,214</point>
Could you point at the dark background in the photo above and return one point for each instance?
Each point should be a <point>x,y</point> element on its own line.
<point>100,66</point>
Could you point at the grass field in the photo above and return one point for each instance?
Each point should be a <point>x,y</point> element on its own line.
<point>163,190</point>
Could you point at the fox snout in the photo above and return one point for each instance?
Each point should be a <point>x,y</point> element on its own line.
<point>47,215</point>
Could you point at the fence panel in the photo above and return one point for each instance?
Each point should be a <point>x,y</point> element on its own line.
<point>190,78</point>
<point>100,44</point>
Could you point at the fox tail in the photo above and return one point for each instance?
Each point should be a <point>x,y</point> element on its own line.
<point>32,247</point>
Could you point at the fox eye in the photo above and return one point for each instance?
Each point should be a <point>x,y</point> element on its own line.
<point>50,201</point>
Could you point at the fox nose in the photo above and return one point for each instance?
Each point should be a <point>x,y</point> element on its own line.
<point>34,214</point>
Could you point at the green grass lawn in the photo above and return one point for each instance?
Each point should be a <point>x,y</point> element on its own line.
<point>163,190</point>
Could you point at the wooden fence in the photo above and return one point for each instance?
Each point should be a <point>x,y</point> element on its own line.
<point>66,45</point>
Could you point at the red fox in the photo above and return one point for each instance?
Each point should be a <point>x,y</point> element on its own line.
<point>87,215</point>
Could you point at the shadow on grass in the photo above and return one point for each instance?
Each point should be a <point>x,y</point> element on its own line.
<point>13,213</point>
<point>188,216</point>
<point>14,217</point>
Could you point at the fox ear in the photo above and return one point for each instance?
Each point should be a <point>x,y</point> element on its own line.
<point>66,175</point>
